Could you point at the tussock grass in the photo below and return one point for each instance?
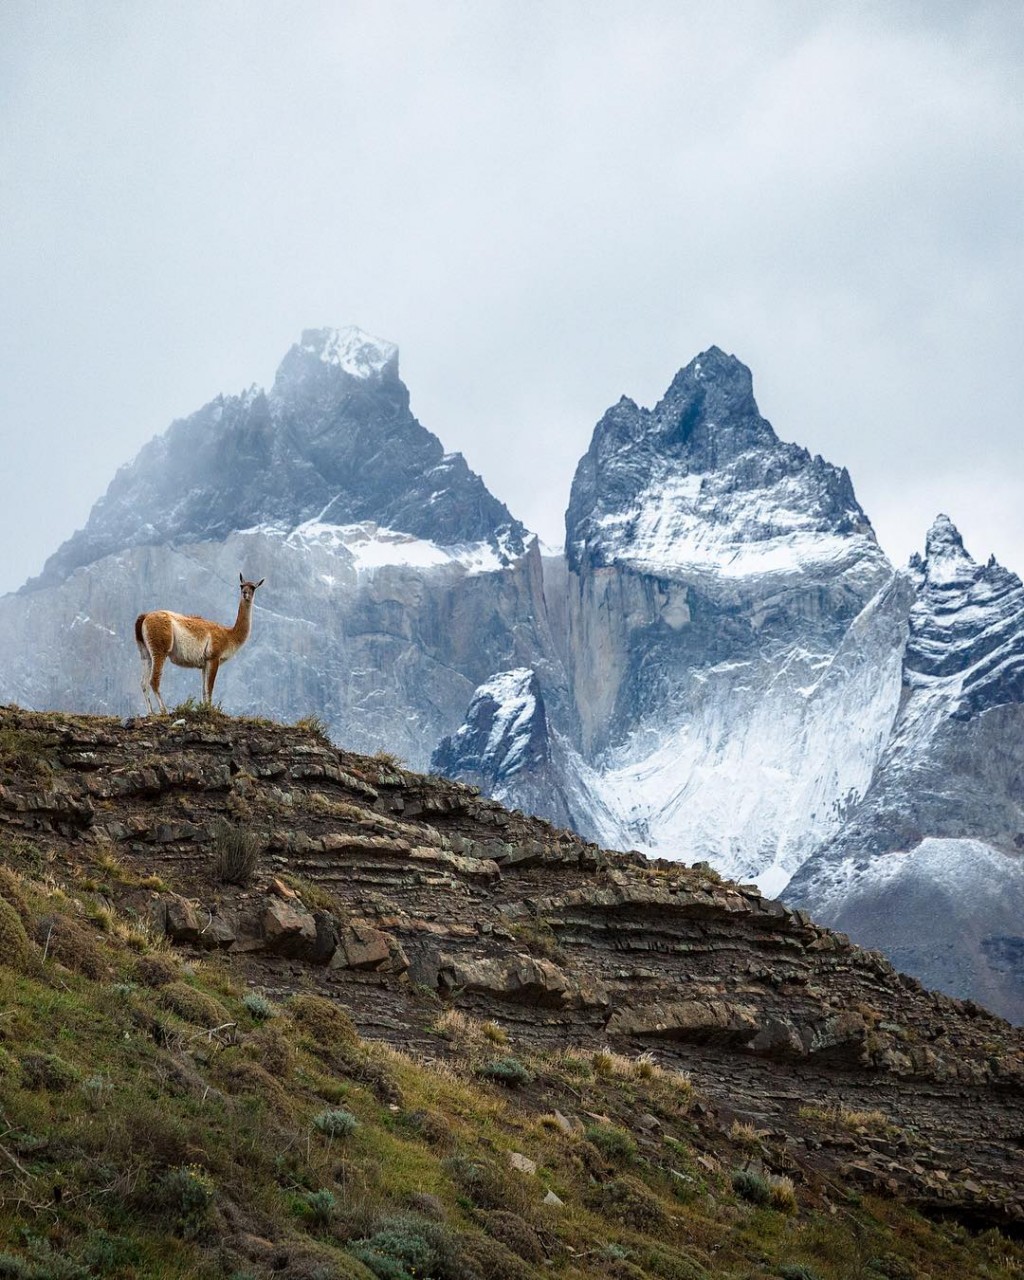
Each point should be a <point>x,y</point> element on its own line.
<point>172,1146</point>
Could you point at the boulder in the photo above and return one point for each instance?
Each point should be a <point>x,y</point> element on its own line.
<point>361,946</point>
<point>700,1020</point>
<point>521,980</point>
<point>177,917</point>
<point>288,927</point>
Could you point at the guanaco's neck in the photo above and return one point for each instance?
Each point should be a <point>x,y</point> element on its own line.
<point>243,622</point>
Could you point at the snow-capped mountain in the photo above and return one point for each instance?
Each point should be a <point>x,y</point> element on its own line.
<point>930,866</point>
<point>395,581</point>
<point>734,630</point>
<point>333,443</point>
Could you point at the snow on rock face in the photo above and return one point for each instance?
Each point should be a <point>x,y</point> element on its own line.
<point>333,441</point>
<point>701,485</point>
<point>368,547</point>
<point>352,350</point>
<point>966,627</point>
<point>505,730</point>
<point>735,631</point>
<point>944,814</point>
<point>948,910</point>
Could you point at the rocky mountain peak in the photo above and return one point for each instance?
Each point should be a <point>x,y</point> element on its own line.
<point>505,731</point>
<point>335,359</point>
<point>701,478</point>
<point>946,559</point>
<point>351,350</point>
<point>335,442</point>
<point>966,626</point>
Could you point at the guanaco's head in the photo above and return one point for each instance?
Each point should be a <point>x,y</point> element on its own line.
<point>249,588</point>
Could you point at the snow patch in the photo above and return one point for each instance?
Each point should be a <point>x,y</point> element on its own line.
<point>370,547</point>
<point>357,353</point>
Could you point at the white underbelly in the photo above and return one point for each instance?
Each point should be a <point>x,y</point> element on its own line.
<point>188,650</point>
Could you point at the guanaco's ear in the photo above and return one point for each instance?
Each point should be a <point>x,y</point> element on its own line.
<point>241,581</point>
<point>261,582</point>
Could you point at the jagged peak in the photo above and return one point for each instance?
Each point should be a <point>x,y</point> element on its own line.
<point>352,350</point>
<point>946,560</point>
<point>944,539</point>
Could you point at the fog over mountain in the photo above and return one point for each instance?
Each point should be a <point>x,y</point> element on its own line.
<point>546,205</point>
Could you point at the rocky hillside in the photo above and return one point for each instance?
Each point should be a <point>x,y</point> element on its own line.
<point>459,932</point>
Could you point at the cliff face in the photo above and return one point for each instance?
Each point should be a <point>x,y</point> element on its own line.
<point>433,888</point>
<point>930,866</point>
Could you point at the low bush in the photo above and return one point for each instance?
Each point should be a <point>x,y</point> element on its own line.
<point>47,1071</point>
<point>156,970</point>
<point>193,1006</point>
<point>509,1072</point>
<point>15,949</point>
<point>12,888</point>
<point>752,1187</point>
<point>320,1207</point>
<point>514,1233</point>
<point>489,1185</point>
<point>337,1123</point>
<point>75,946</point>
<point>630,1201</point>
<point>322,1020</point>
<point>186,1193</point>
<point>236,855</point>
<point>615,1144</point>
<point>258,1007</point>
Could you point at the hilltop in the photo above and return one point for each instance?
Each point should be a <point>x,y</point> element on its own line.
<point>271,1007</point>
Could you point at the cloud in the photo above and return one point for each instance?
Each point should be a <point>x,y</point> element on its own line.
<point>545,205</point>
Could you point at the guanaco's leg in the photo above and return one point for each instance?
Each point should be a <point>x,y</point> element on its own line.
<point>147,672</point>
<point>209,676</point>
<point>156,671</point>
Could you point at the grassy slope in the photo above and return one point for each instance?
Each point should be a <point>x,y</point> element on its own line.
<point>151,1124</point>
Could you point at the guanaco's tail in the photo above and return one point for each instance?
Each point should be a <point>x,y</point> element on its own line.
<point>138,630</point>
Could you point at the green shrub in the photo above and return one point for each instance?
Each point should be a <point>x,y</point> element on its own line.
<point>630,1201</point>
<point>236,855</point>
<point>491,1186</point>
<point>323,1021</point>
<point>752,1187</point>
<point>12,888</point>
<point>509,1072</point>
<point>338,1123</point>
<point>187,1194</point>
<point>797,1271</point>
<point>64,939</point>
<point>155,970</point>
<point>400,1250</point>
<point>258,1007</point>
<point>515,1234</point>
<point>615,1144</point>
<point>48,1071</point>
<point>15,948</point>
<point>321,1207</point>
<point>193,1006</point>
<point>491,1259</point>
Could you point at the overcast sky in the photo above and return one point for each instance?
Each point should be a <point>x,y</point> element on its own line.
<point>546,205</point>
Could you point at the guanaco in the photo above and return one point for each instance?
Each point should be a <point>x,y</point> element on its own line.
<point>190,641</point>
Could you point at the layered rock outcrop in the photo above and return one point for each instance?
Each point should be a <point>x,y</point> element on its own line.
<point>406,885</point>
